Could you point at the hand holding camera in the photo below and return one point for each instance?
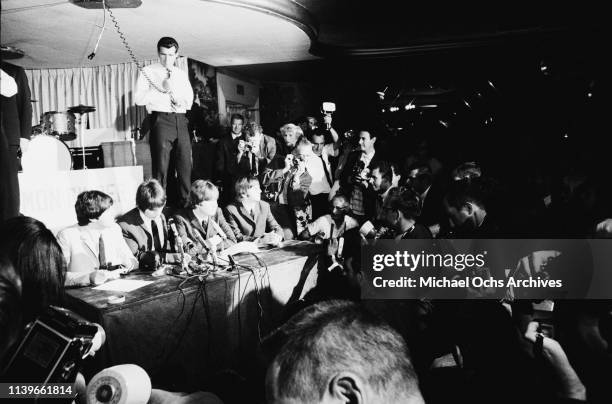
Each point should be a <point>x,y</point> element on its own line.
<point>242,146</point>
<point>300,165</point>
<point>555,356</point>
<point>252,146</point>
<point>327,109</point>
<point>327,119</point>
<point>289,162</point>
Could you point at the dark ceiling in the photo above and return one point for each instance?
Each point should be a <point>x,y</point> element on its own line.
<point>390,23</point>
<point>429,34</point>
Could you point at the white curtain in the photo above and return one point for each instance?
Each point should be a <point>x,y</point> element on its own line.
<point>108,88</point>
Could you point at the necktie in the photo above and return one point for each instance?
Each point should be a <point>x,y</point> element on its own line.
<point>102,253</point>
<point>156,242</point>
<point>327,175</point>
<point>255,164</point>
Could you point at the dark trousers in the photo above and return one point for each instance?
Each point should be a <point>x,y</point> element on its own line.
<point>169,135</point>
<point>320,205</point>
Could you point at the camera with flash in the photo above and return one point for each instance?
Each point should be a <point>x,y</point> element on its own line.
<point>327,109</point>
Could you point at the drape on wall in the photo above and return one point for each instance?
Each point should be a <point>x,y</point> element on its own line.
<point>108,88</point>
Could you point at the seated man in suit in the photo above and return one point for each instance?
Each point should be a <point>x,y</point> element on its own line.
<point>94,249</point>
<point>202,227</point>
<point>145,229</point>
<point>249,217</point>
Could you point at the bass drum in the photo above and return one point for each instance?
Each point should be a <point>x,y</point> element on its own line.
<point>46,153</point>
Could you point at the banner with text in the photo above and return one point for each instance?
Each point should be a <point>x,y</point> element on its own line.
<point>50,196</point>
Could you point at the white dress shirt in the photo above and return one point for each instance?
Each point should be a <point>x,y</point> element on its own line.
<point>324,225</point>
<point>314,166</point>
<point>160,226</point>
<point>155,100</point>
<point>367,158</point>
<point>8,86</point>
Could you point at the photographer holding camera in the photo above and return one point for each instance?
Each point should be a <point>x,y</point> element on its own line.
<point>255,151</point>
<point>293,181</point>
<point>320,167</point>
<point>354,176</point>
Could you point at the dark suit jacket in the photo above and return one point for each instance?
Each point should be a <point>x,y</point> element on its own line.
<point>226,164</point>
<point>432,210</point>
<point>190,229</point>
<point>136,235</point>
<point>16,110</point>
<point>248,228</point>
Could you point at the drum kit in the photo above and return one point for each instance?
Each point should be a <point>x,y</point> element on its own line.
<point>47,149</point>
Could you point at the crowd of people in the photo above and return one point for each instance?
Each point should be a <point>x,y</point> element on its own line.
<point>310,182</point>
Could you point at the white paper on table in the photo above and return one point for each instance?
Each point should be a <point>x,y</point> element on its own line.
<point>122,285</point>
<point>241,247</point>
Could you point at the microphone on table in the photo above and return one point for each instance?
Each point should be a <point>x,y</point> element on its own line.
<point>179,244</point>
<point>232,262</point>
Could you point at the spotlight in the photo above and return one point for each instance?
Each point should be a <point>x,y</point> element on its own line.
<point>491,84</point>
<point>443,123</point>
<point>544,68</point>
<point>381,94</point>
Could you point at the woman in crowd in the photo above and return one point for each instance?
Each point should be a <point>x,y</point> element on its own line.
<point>95,249</point>
<point>202,227</point>
<point>249,217</point>
<point>37,258</point>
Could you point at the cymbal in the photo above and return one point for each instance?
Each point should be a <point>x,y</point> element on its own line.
<point>81,109</point>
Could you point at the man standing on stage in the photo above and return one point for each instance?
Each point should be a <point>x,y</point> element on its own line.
<point>167,94</point>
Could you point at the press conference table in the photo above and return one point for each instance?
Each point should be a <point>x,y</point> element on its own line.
<point>183,336</point>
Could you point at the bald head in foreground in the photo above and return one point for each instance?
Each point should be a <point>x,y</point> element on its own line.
<point>338,352</point>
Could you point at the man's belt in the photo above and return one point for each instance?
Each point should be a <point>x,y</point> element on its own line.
<point>166,113</point>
